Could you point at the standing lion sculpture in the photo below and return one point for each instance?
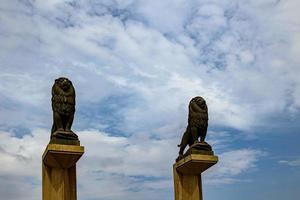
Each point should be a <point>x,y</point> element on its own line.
<point>197,127</point>
<point>63,106</point>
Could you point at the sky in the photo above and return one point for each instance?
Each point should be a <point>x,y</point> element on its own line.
<point>135,64</point>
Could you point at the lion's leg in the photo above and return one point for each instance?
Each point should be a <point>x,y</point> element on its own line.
<point>184,141</point>
<point>194,134</point>
<point>58,121</point>
<point>203,133</point>
<point>69,122</point>
<point>53,129</point>
<point>181,150</point>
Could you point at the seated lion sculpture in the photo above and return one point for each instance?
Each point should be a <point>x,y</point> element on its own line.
<point>63,106</point>
<point>197,127</point>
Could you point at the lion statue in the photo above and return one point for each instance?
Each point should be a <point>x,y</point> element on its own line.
<point>197,125</point>
<point>63,106</point>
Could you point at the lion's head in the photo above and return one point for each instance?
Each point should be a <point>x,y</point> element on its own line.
<point>200,102</point>
<point>64,83</point>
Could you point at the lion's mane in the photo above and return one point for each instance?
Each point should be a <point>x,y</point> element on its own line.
<point>63,96</point>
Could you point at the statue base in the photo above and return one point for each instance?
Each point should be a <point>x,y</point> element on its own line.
<point>64,137</point>
<point>59,171</point>
<point>202,148</point>
<point>187,175</point>
<point>199,148</point>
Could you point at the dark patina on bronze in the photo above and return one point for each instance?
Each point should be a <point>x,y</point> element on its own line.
<point>197,127</point>
<point>63,106</point>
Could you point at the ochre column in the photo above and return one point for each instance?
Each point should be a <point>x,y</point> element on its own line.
<point>59,171</point>
<point>187,175</point>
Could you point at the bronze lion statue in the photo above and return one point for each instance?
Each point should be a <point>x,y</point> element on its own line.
<point>63,106</point>
<point>197,127</point>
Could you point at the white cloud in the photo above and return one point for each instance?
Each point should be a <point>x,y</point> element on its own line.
<point>116,161</point>
<point>235,72</point>
<point>292,163</point>
<point>231,164</point>
<point>152,56</point>
<point>122,167</point>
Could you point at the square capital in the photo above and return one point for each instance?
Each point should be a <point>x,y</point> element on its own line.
<point>195,164</point>
<point>62,156</point>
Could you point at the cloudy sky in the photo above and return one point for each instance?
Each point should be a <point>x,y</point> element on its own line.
<point>135,65</point>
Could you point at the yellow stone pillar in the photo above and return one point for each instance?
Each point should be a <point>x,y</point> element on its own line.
<point>59,171</point>
<point>187,175</point>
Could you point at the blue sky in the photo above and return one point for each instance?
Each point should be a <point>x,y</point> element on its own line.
<point>135,65</point>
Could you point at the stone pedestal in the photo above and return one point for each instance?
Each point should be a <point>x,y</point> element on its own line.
<point>59,171</point>
<point>187,175</point>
